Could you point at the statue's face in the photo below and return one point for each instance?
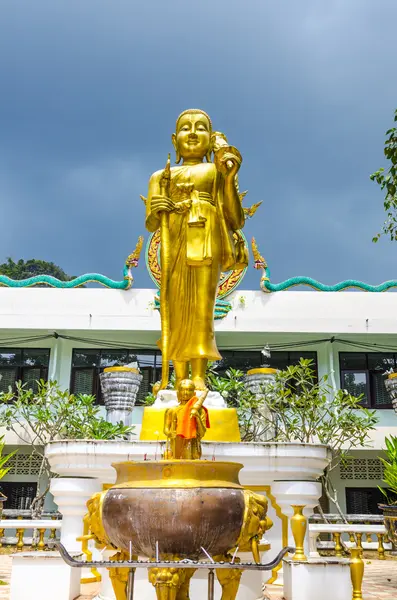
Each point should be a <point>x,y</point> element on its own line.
<point>193,136</point>
<point>186,390</point>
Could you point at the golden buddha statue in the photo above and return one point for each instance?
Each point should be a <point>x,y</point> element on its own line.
<point>185,425</point>
<point>198,208</point>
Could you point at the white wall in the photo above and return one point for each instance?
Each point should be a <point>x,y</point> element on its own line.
<point>47,309</point>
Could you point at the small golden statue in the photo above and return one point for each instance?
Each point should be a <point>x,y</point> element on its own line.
<point>197,207</point>
<point>185,425</point>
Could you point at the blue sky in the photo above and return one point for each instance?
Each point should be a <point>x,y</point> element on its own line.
<point>90,90</point>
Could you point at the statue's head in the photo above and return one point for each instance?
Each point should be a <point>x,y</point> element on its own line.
<point>192,137</point>
<point>185,390</point>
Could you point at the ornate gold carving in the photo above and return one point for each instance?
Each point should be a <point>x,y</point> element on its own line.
<point>228,280</point>
<point>255,524</point>
<point>119,576</point>
<point>260,262</point>
<point>168,582</point>
<point>229,579</point>
<point>251,210</point>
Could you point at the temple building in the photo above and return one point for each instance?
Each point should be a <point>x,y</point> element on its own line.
<point>71,335</point>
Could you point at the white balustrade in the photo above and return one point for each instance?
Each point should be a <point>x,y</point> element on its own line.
<point>348,535</point>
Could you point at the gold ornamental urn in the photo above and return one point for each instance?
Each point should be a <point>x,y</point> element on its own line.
<point>174,508</point>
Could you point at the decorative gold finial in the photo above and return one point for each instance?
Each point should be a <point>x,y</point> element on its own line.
<point>260,262</point>
<point>251,210</point>
<point>132,259</point>
<point>356,573</point>
<point>298,528</point>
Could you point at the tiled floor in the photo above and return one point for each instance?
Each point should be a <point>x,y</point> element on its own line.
<point>380,581</point>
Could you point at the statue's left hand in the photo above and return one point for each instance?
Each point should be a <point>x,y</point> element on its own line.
<point>229,165</point>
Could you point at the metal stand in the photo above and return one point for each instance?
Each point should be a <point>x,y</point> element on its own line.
<point>211,580</point>
<point>130,584</point>
<point>178,564</point>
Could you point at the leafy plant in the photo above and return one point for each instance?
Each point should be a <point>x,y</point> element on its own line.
<point>390,469</point>
<point>232,386</point>
<point>4,459</point>
<point>388,183</point>
<point>50,414</point>
<point>297,407</point>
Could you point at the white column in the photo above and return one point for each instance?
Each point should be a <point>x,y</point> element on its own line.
<point>71,496</point>
<point>300,493</point>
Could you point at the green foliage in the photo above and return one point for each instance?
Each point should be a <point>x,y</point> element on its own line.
<point>305,409</point>
<point>232,387</point>
<point>50,414</point>
<point>30,268</point>
<point>388,184</point>
<point>4,459</point>
<point>390,469</point>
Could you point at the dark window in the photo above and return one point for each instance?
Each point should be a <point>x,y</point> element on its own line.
<point>245,360</point>
<point>88,364</point>
<point>363,501</point>
<point>23,364</point>
<point>362,373</point>
<point>20,495</point>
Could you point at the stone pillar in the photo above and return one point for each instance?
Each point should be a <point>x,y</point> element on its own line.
<point>71,496</point>
<point>256,380</point>
<point>120,387</point>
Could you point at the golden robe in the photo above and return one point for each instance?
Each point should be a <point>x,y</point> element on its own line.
<point>201,246</point>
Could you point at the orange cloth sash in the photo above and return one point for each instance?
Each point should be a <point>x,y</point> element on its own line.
<point>186,426</point>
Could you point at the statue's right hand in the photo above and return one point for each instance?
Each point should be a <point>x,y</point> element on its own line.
<point>161,204</point>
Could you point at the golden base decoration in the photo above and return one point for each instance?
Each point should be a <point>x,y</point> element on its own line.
<point>224,425</point>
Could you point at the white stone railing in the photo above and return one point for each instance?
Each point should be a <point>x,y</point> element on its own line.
<point>13,532</point>
<point>364,536</point>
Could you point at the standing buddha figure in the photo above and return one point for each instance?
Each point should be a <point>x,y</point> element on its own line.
<point>185,425</point>
<point>204,211</point>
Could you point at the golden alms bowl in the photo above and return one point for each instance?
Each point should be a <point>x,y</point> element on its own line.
<point>183,505</point>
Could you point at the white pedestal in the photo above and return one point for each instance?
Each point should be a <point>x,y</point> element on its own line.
<point>288,493</point>
<point>71,496</point>
<point>319,578</point>
<point>43,576</point>
<point>167,398</point>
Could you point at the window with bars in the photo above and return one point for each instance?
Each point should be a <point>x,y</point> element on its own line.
<point>28,365</point>
<point>363,501</point>
<point>20,495</point>
<point>87,364</point>
<point>245,360</point>
<point>363,373</point>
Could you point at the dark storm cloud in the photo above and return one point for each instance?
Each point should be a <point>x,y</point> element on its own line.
<point>90,92</point>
